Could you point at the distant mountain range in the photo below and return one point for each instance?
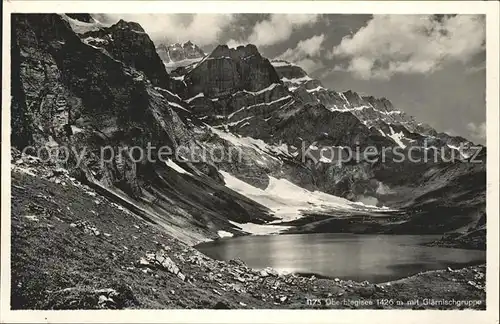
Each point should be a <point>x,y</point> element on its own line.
<point>177,55</point>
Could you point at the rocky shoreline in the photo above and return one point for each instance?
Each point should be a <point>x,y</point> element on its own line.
<point>473,240</point>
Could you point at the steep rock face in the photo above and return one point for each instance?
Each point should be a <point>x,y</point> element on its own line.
<point>21,122</point>
<point>75,89</point>
<point>318,124</point>
<point>226,71</point>
<point>71,94</point>
<point>234,89</point>
<point>127,42</point>
<point>330,144</point>
<point>288,70</point>
<point>242,109</point>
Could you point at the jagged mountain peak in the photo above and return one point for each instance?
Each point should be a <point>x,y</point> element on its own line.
<point>240,52</point>
<point>189,44</point>
<point>373,112</point>
<point>83,17</point>
<point>82,23</point>
<point>278,61</point>
<point>122,24</point>
<point>228,70</point>
<point>179,54</point>
<point>125,41</point>
<point>186,45</point>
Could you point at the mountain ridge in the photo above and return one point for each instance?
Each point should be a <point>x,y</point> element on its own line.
<point>297,96</point>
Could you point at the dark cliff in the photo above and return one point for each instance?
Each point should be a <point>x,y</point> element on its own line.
<point>128,42</point>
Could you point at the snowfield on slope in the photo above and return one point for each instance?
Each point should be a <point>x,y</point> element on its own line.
<point>268,151</point>
<point>259,229</point>
<point>287,201</point>
<point>80,27</point>
<point>170,66</point>
<point>223,234</point>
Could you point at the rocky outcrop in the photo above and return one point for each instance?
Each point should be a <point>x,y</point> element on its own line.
<point>228,70</point>
<point>233,89</point>
<point>128,42</point>
<point>288,70</point>
<point>316,124</point>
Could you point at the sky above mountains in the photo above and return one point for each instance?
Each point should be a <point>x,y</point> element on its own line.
<point>432,67</point>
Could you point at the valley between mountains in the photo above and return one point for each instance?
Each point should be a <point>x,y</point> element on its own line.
<point>254,149</point>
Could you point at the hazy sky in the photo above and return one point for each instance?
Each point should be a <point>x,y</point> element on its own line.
<point>432,67</point>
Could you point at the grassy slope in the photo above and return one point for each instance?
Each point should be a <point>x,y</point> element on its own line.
<point>57,265</point>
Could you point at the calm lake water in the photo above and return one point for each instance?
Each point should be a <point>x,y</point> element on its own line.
<point>376,258</point>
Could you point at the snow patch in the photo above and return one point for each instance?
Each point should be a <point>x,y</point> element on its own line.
<point>169,92</point>
<point>81,27</point>
<point>199,95</point>
<point>170,66</point>
<point>258,229</point>
<point>174,104</point>
<point>255,93</point>
<point>171,164</point>
<point>19,169</point>
<point>297,80</point>
<point>397,137</point>
<point>285,199</point>
<point>256,144</point>
<point>318,88</point>
<point>76,130</point>
<point>222,234</point>
<point>282,63</point>
<point>260,104</point>
<point>460,150</point>
<point>97,40</point>
<point>345,99</point>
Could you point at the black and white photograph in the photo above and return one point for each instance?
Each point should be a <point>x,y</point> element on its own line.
<point>307,160</point>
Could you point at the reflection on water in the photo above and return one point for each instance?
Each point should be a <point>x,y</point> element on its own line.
<point>376,258</point>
